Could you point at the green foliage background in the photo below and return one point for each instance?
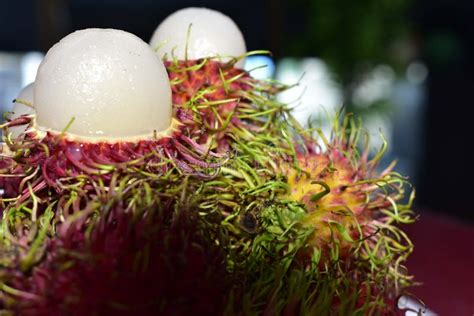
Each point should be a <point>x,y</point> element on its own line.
<point>353,37</point>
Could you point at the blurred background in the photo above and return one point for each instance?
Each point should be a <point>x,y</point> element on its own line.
<point>405,67</point>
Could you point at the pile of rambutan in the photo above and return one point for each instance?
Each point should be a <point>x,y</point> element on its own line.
<point>146,187</point>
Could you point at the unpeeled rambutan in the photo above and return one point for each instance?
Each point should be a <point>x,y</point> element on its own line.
<point>217,101</point>
<point>317,229</point>
<point>198,33</point>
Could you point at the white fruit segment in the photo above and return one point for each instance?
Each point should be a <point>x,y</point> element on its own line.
<point>23,105</point>
<point>211,34</point>
<point>109,81</point>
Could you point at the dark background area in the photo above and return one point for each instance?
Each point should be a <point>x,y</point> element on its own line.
<point>438,32</point>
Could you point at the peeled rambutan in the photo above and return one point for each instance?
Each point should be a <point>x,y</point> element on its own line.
<point>204,52</point>
<point>345,194</point>
<point>103,102</point>
<point>220,103</point>
<point>355,210</point>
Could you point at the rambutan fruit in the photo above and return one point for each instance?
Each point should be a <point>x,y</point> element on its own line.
<point>127,251</point>
<point>103,102</point>
<point>204,52</point>
<point>345,194</point>
<point>316,227</point>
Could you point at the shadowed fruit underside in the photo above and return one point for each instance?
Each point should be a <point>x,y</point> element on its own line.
<point>317,226</point>
<point>239,211</point>
<point>152,257</point>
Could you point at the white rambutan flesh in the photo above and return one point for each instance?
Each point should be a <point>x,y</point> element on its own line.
<point>195,33</point>
<point>102,84</point>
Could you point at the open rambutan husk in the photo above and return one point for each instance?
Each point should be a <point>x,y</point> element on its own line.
<point>214,105</point>
<point>49,161</point>
<point>323,220</point>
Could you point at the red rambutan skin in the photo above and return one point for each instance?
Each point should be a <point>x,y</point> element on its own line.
<point>59,157</point>
<point>190,79</point>
<point>208,81</point>
<point>162,264</point>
